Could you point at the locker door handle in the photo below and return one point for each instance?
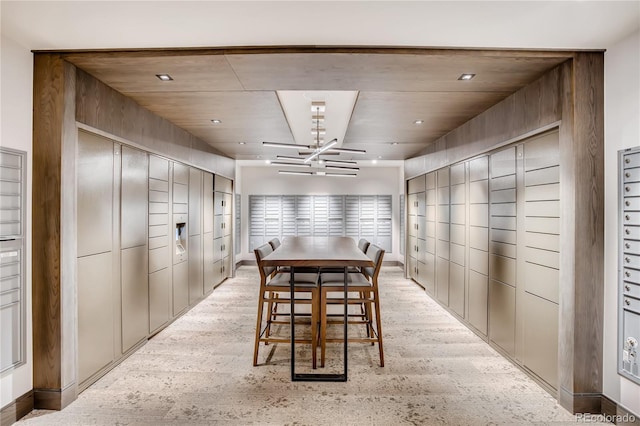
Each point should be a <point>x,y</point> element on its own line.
<point>627,288</point>
<point>627,203</point>
<point>627,274</point>
<point>627,302</point>
<point>626,231</point>
<point>627,217</point>
<point>626,259</point>
<point>627,174</point>
<point>627,161</point>
<point>627,245</point>
<point>626,188</point>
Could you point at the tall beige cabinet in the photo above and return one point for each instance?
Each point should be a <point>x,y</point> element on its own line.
<point>146,246</point>
<point>497,239</point>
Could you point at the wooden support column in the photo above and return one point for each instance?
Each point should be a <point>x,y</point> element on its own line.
<point>53,240</point>
<point>582,227</point>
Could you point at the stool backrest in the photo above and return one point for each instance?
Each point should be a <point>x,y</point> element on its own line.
<point>376,254</point>
<point>363,245</point>
<point>260,253</point>
<point>275,243</point>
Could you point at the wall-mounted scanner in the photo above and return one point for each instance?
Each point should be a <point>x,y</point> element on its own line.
<point>180,245</point>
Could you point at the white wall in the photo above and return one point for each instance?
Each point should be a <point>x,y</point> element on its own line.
<point>16,88</point>
<point>260,180</point>
<point>622,130</point>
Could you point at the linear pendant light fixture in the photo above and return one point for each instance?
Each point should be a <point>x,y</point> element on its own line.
<point>314,152</point>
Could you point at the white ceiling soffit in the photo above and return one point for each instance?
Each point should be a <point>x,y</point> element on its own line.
<point>296,105</point>
<point>147,24</point>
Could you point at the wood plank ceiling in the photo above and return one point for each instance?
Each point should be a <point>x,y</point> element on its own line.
<point>396,87</point>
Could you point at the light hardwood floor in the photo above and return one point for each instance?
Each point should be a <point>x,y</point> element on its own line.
<point>199,371</point>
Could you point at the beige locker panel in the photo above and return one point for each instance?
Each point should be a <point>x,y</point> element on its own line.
<point>431,245</point>
<point>632,160</point>
<point>543,176</point>
<point>442,249</point>
<point>180,193</point>
<point>158,168</point>
<point>157,231</point>
<point>542,151</point>
<point>456,288</point>
<point>547,225</point>
<point>422,226</point>
<point>412,204</point>
<point>544,241</point>
<point>458,214</point>
<point>479,261</point>
<point>158,185</point>
<point>218,203</point>
<point>457,233</point>
<point>479,215</point>
<point>478,301</point>
<point>217,272</point>
<point>431,228</point>
<point>442,280</point>
<point>421,275</point>
<point>506,209</point>
<point>631,233</point>
<point>458,194</point>
<point>417,184</point>
<point>95,314</point>
<point>443,214</point>
<point>503,196</point>
<point>135,296</point>
<point>479,192</point>
<point>195,201</point>
<point>503,182</point>
<point>180,286</point>
<point>429,274</point>
<point>159,258</point>
<point>196,267</point>
<point>227,269</point>
<point>218,226</point>
<point>222,184</point>
<point>208,258</point>
<point>413,247</point>
<point>503,163</point>
<point>442,195</point>
<point>158,208</point>
<point>228,224</point>
<point>542,208</point>
<point>158,196</point>
<point>159,299</point>
<point>207,201</point>
<point>442,231</point>
<point>542,257</point>
<point>430,180</point>
<point>180,174</point>
<point>479,238</point>
<point>502,269</point>
<point>431,197</point>
<point>431,213</point>
<point>443,177</point>
<point>503,236</point>
<point>158,242</point>
<point>542,192</point>
<point>412,228</point>
<point>631,275</point>
<point>413,268</point>
<point>542,281</point>
<point>479,169</point>
<point>456,254</point>
<point>628,246</point>
<point>95,194</point>
<point>457,174</point>
<point>540,353</point>
<point>421,197</point>
<point>158,219</point>
<point>502,313</point>
<point>180,209</point>
<point>503,222</point>
<point>228,203</point>
<point>422,251</point>
<point>502,249</point>
<point>631,261</point>
<point>134,198</point>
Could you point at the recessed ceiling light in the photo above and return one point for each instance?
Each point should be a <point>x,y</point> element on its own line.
<point>379,157</point>
<point>394,143</point>
<point>242,143</point>
<point>374,161</point>
<point>258,156</point>
<point>466,76</point>
<point>418,122</point>
<point>216,121</point>
<point>267,161</point>
<point>164,77</point>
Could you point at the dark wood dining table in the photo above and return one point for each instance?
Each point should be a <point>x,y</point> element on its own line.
<point>334,252</point>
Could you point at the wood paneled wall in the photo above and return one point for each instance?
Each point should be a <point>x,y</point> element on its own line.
<point>101,107</point>
<point>54,313</point>
<point>571,96</point>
